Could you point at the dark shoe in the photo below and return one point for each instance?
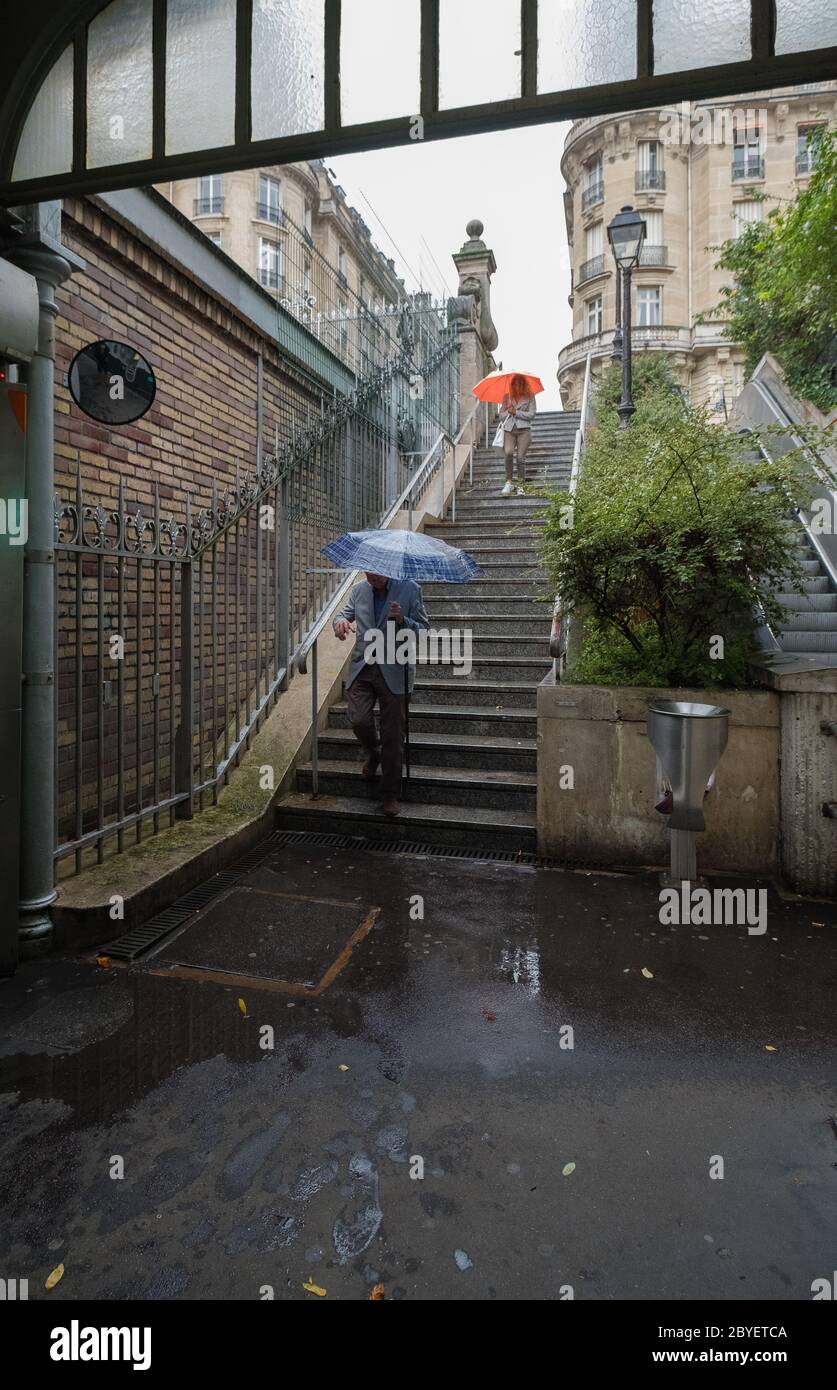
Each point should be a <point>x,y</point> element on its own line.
<point>392,807</point>
<point>369,771</point>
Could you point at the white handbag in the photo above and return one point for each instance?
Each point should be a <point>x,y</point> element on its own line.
<point>497,441</point>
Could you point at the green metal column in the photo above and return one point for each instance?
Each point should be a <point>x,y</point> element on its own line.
<point>39,251</point>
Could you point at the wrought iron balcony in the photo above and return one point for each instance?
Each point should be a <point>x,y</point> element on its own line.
<point>590,269</point>
<point>270,212</point>
<point>650,180</point>
<point>209,207</point>
<point>750,168</point>
<point>653,255</point>
<point>592,194</point>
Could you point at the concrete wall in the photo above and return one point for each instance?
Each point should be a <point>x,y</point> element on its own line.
<point>608,815</point>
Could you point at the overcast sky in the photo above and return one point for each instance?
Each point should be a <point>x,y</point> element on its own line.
<point>425,193</point>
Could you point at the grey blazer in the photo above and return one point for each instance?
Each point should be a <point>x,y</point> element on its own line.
<point>360,610</point>
<point>523,417</point>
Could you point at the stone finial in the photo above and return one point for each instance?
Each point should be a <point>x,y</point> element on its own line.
<point>475,229</point>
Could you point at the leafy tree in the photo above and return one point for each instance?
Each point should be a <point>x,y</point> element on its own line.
<point>784,296</point>
<point>676,535</point>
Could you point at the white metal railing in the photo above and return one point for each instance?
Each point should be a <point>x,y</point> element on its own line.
<point>433,463</point>
<point>559,635</point>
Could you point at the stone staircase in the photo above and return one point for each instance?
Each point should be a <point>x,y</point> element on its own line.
<point>472,738</point>
<point>809,631</point>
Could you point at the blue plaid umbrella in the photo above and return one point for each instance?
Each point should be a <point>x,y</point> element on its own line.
<point>402,555</point>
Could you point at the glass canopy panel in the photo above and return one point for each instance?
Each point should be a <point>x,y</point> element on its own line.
<point>200,74</point>
<point>379,61</point>
<point>689,35</point>
<point>288,38</point>
<point>119,84</point>
<point>479,51</point>
<point>584,43</point>
<point>804,24</point>
<point>46,143</point>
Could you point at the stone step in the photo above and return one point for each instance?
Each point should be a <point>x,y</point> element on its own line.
<point>510,585</point>
<point>811,622</point>
<point>501,606</point>
<point>418,823</point>
<point>488,646</point>
<point>443,750</point>
<point>476,721</point>
<point>492,668</point>
<point>498,543</point>
<point>525,565</point>
<point>825,602</point>
<point>809,641</point>
<point>820,585</point>
<point>493,555</point>
<point>493,624</point>
<point>497,695</point>
<point>431,786</point>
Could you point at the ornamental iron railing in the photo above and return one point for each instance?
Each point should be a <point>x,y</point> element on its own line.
<point>176,633</point>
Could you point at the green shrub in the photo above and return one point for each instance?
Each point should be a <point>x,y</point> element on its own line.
<point>676,536</point>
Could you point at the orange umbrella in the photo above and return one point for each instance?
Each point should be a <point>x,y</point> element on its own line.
<point>496,385</point>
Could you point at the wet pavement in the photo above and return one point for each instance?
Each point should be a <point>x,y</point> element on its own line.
<point>272,1124</point>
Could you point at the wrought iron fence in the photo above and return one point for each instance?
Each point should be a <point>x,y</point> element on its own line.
<point>176,633</point>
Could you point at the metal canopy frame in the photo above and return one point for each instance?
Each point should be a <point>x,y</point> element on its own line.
<point>762,70</point>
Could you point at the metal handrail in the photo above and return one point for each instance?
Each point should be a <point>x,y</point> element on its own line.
<point>300,656</point>
<point>557,648</point>
<point>309,643</point>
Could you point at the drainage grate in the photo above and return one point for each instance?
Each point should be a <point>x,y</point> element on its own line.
<point>371,846</point>
<point>141,938</point>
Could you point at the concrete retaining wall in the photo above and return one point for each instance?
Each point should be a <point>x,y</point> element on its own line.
<point>608,814</point>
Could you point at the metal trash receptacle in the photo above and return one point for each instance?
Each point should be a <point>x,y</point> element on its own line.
<point>689,740</point>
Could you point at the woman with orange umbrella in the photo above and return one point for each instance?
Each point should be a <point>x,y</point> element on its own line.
<point>514,392</point>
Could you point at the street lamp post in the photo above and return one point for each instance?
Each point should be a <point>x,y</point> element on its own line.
<point>616,349</point>
<point>626,234</point>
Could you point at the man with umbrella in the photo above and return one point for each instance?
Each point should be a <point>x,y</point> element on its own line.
<point>393,561</point>
<point>375,602</point>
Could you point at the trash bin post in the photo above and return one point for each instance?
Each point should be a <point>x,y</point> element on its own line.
<point>689,739</point>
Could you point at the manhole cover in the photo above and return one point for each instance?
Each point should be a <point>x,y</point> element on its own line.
<point>298,944</point>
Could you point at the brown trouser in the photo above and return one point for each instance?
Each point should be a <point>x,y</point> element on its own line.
<point>523,438</point>
<point>363,692</point>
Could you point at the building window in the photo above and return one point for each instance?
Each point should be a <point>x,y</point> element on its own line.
<point>648,306</point>
<point>306,279</point>
<point>341,264</point>
<point>747,156</point>
<point>593,317</point>
<point>270,264</point>
<point>343,322</point>
<point>744,214</point>
<point>649,166</point>
<point>215,237</point>
<point>806,148</point>
<point>209,201</point>
<point>270,199</point>
<point>307,221</point>
<point>593,187</point>
<point>594,262</point>
<point>654,251</point>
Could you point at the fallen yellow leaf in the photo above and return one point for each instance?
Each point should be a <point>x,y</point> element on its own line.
<point>103,962</point>
<point>647,973</point>
<point>768,1048</point>
<point>377,1293</point>
<point>567,1169</point>
<point>314,1288</point>
<point>242,1006</point>
<point>54,1278</point>
<point>343,1066</point>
